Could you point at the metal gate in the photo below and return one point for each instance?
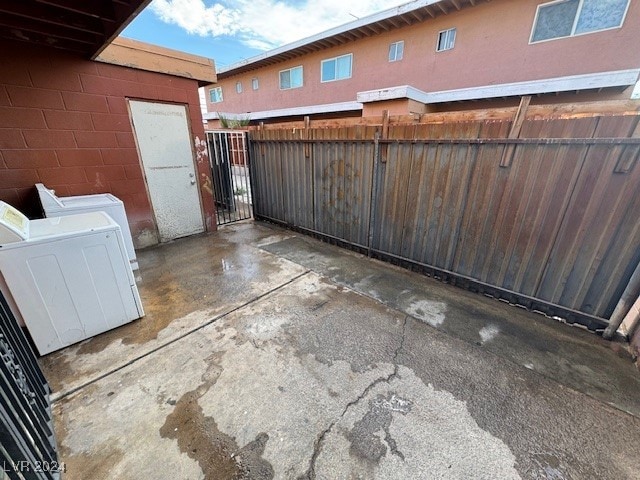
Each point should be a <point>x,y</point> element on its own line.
<point>229,156</point>
<point>27,442</point>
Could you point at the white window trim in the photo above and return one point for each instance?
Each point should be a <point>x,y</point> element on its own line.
<point>575,23</point>
<point>336,60</point>
<point>239,88</point>
<point>221,96</point>
<point>288,70</point>
<point>397,43</point>
<point>454,40</point>
<point>255,83</point>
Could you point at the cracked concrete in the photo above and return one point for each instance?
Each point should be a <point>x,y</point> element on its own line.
<point>310,375</point>
<point>310,474</point>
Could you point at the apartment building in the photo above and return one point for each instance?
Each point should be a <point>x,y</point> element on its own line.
<point>439,55</point>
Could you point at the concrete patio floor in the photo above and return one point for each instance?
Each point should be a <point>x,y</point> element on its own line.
<point>266,354</point>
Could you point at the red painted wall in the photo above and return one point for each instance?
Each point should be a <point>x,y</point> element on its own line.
<point>64,122</point>
<point>492,47</point>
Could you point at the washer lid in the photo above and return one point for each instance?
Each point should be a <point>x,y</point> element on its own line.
<point>89,201</point>
<point>72,224</point>
<point>14,226</point>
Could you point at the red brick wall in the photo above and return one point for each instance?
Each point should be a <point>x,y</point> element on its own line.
<point>64,122</point>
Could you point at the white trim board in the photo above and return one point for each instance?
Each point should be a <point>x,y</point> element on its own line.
<point>288,112</point>
<point>620,78</point>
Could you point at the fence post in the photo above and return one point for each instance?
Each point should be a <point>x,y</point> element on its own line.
<point>385,134</point>
<point>307,125</point>
<point>373,201</point>
<point>516,127</point>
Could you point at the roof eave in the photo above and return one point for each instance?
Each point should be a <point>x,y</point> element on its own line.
<point>278,54</point>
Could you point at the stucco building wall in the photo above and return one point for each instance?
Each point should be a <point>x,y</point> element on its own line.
<point>492,47</point>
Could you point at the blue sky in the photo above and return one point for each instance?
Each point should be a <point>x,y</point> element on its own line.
<point>229,31</point>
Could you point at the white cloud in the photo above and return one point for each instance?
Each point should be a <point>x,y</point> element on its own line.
<point>264,24</point>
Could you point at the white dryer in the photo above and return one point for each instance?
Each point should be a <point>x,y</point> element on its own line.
<point>54,206</point>
<point>69,277</point>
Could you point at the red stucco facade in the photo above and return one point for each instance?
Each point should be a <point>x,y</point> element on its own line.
<point>64,122</point>
<point>492,47</point>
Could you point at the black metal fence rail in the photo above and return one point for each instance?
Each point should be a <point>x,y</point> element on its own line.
<point>229,156</point>
<point>27,442</point>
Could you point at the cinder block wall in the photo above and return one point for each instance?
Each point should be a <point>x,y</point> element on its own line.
<point>64,122</point>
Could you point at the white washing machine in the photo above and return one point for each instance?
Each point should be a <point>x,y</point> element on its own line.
<point>55,206</point>
<point>69,277</point>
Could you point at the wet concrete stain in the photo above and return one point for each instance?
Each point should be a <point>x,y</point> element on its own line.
<point>56,368</point>
<point>325,315</point>
<point>526,338</point>
<point>218,271</point>
<point>506,420</point>
<point>322,307</point>
<point>365,442</point>
<point>217,453</point>
<point>99,462</point>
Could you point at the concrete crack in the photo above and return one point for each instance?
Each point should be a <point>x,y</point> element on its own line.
<point>393,446</point>
<point>310,474</point>
<point>402,339</point>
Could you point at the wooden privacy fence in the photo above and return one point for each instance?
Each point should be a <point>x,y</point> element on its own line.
<point>549,219</point>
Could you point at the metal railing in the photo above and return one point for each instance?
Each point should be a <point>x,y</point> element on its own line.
<point>229,156</point>
<point>27,441</point>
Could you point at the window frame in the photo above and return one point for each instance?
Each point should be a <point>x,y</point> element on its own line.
<point>335,59</point>
<point>219,89</point>
<point>289,70</point>
<point>455,36</point>
<point>392,44</point>
<point>575,22</point>
<point>255,83</point>
<point>239,88</point>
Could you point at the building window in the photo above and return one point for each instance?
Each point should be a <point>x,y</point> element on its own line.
<point>337,68</point>
<point>566,18</point>
<point>446,40</point>
<point>255,84</point>
<point>291,78</point>
<point>238,87</point>
<point>215,95</point>
<point>396,50</point>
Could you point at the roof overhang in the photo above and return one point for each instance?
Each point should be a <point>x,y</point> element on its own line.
<point>393,18</point>
<point>590,81</point>
<point>83,27</point>
<point>144,56</point>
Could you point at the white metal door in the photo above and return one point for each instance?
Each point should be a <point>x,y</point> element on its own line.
<point>164,141</point>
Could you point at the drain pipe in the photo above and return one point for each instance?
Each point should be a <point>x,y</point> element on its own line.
<point>634,333</point>
<point>630,321</point>
<point>625,304</point>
